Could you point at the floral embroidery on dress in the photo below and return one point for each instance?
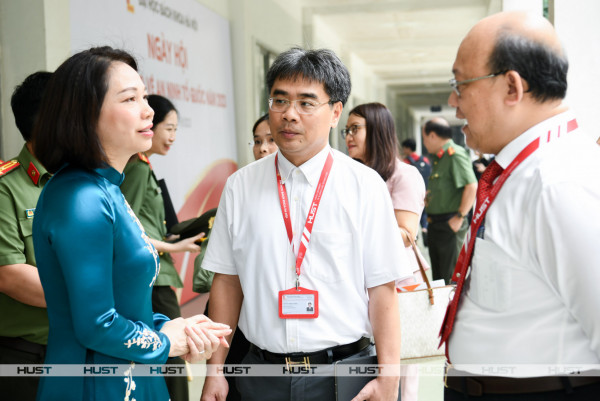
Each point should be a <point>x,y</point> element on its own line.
<point>130,382</point>
<point>145,339</point>
<point>146,239</point>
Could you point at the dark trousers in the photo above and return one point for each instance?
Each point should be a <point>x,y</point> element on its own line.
<point>444,246</point>
<point>584,393</point>
<point>288,388</point>
<point>20,388</point>
<point>164,300</point>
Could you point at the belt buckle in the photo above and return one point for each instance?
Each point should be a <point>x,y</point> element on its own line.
<point>289,363</point>
<point>446,369</point>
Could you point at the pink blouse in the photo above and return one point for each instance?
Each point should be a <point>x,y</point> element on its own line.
<point>407,188</point>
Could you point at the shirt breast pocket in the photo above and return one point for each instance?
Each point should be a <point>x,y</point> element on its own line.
<point>26,227</point>
<point>330,255</point>
<point>490,282</point>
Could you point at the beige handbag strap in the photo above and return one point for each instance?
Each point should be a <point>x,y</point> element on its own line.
<point>421,268</point>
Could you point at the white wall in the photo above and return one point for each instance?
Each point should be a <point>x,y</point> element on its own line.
<point>22,51</point>
<point>578,29</point>
<point>35,35</point>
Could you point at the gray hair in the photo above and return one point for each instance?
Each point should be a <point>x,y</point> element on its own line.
<point>321,65</point>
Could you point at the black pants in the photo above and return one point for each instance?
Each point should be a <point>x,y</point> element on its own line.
<point>19,388</point>
<point>288,388</point>
<point>444,247</point>
<point>164,300</point>
<point>584,393</point>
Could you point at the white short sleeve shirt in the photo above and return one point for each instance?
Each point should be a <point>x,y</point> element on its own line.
<point>355,245</point>
<point>532,293</point>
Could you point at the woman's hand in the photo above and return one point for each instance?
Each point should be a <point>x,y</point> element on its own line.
<point>185,245</point>
<point>204,337</point>
<point>175,332</point>
<point>188,244</point>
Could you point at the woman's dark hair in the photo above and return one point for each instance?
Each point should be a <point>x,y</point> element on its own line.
<point>66,129</point>
<point>381,145</point>
<point>260,120</point>
<point>545,69</point>
<point>161,106</point>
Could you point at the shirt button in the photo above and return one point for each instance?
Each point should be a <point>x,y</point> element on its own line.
<point>295,198</point>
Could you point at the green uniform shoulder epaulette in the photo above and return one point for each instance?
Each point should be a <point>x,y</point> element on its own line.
<point>143,157</point>
<point>8,166</point>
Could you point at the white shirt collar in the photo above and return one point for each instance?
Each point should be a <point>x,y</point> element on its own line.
<point>511,151</point>
<point>311,168</point>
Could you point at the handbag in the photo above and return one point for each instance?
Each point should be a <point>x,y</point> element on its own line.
<point>421,316</point>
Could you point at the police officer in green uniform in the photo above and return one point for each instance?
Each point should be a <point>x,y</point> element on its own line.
<point>142,192</point>
<point>450,197</point>
<point>24,325</point>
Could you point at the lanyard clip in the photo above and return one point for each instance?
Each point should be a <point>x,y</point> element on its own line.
<point>297,282</point>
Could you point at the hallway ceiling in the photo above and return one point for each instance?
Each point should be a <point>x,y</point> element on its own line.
<point>409,44</point>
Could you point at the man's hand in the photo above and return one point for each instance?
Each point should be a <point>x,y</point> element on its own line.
<point>384,388</point>
<point>455,223</point>
<point>215,388</point>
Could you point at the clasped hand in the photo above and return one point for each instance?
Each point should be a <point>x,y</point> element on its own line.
<point>196,338</point>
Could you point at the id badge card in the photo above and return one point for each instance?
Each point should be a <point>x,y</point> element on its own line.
<point>300,303</point>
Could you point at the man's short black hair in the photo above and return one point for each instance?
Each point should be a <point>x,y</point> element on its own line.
<point>321,65</point>
<point>545,69</point>
<point>441,130</point>
<point>26,99</point>
<point>409,143</point>
<point>66,131</point>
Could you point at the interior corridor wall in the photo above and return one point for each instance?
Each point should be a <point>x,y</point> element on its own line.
<point>21,51</point>
<point>578,29</point>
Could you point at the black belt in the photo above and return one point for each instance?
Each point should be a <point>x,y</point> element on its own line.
<point>326,356</point>
<point>439,218</point>
<point>480,385</point>
<point>23,345</point>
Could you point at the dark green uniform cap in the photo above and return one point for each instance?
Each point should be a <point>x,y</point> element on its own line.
<point>195,226</point>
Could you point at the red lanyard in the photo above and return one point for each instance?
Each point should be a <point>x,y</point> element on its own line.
<point>312,213</point>
<point>478,217</point>
<point>467,251</point>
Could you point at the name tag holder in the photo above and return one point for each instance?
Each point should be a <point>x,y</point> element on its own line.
<point>300,303</point>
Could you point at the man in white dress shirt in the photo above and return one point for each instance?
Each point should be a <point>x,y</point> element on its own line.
<point>352,253</point>
<point>530,298</point>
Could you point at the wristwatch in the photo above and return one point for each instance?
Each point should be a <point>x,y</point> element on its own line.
<point>459,214</point>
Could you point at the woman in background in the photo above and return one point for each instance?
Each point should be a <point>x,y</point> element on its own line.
<point>264,144</point>
<point>143,194</point>
<point>96,263</point>
<point>371,138</point>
